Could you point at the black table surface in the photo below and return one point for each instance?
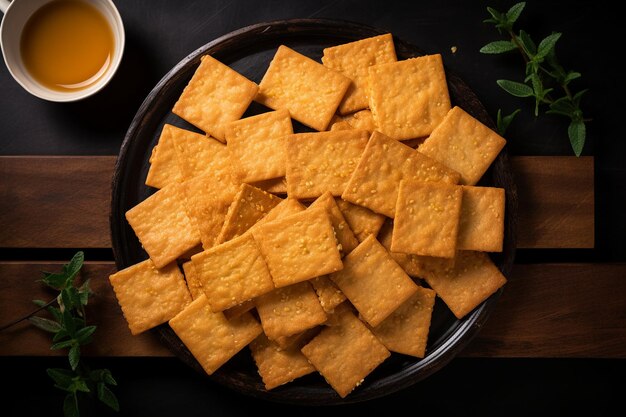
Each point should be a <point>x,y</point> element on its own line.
<point>159,33</point>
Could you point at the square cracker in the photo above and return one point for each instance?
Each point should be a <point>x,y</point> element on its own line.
<point>324,161</point>
<point>285,208</point>
<point>249,206</point>
<point>210,337</point>
<point>208,198</point>
<point>408,98</point>
<point>481,226</point>
<point>361,120</point>
<point>362,221</point>
<point>215,96</point>
<point>346,352</point>
<point>427,219</point>
<point>406,329</point>
<point>352,60</point>
<point>257,145</point>
<point>232,273</point>
<point>162,225</point>
<point>373,282</point>
<point>329,295</point>
<point>193,283</point>
<point>299,247</point>
<point>289,310</point>
<point>471,280</point>
<point>274,186</point>
<point>198,154</point>
<point>239,310</point>
<point>344,235</point>
<point>278,366</point>
<point>464,144</point>
<point>310,91</point>
<point>413,265</point>
<point>163,164</point>
<point>384,163</point>
<point>149,296</point>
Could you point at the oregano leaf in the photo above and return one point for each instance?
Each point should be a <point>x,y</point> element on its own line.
<point>70,406</point>
<point>107,397</point>
<point>498,47</point>
<point>516,89</point>
<point>61,377</point>
<point>74,356</point>
<point>503,122</point>
<point>514,12</point>
<point>547,45</point>
<point>577,132</point>
<point>45,324</point>
<point>527,43</point>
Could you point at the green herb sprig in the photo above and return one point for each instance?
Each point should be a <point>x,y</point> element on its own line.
<point>70,331</point>
<point>545,79</point>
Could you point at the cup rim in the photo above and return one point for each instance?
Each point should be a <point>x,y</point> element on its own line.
<point>48,94</point>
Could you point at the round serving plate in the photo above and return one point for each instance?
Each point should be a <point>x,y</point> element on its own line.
<point>249,52</point>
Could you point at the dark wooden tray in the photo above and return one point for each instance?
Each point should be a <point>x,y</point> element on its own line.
<point>249,51</point>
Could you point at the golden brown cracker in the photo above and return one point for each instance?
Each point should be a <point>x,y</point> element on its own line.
<point>198,154</point>
<point>193,283</point>
<point>232,273</point>
<point>427,219</point>
<point>208,198</point>
<point>249,206</point>
<point>285,208</point>
<point>329,295</point>
<point>471,280</point>
<point>239,310</point>
<point>344,235</point>
<point>310,91</point>
<point>209,336</point>
<point>299,247</point>
<point>353,60</point>
<point>345,353</point>
<point>362,221</point>
<point>413,265</point>
<point>373,282</point>
<point>257,145</point>
<point>289,310</point>
<point>384,163</point>
<point>278,366</point>
<point>163,164</point>
<point>361,120</point>
<point>481,225</point>
<point>406,329</point>
<point>215,96</point>
<point>408,98</point>
<point>275,185</point>
<point>464,144</point>
<point>149,296</point>
<point>162,225</point>
<point>321,162</point>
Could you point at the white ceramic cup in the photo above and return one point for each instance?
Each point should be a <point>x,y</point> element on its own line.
<point>17,13</point>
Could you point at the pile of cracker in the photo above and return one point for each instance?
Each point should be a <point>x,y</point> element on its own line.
<point>322,251</point>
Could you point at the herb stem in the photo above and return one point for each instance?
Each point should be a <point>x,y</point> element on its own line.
<point>13,323</point>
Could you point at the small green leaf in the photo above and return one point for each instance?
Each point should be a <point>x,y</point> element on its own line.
<point>63,345</point>
<point>74,356</point>
<point>514,12</point>
<point>504,122</point>
<point>572,75</point>
<point>74,266</point>
<point>39,303</point>
<point>68,322</point>
<point>79,384</point>
<point>498,47</point>
<point>83,335</point>
<point>547,45</point>
<point>496,15</point>
<point>70,406</point>
<point>578,96</point>
<point>61,334</point>
<point>516,89</point>
<point>56,281</point>
<point>576,132</point>
<point>527,43</point>
<point>61,377</point>
<point>562,106</point>
<point>45,324</point>
<point>55,312</point>
<point>107,397</point>
<point>102,375</point>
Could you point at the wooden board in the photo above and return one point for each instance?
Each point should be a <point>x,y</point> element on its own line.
<point>63,202</point>
<point>551,310</point>
<point>556,197</point>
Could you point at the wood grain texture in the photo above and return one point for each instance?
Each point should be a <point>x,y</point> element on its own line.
<point>556,201</point>
<point>55,202</point>
<point>19,286</point>
<point>63,202</point>
<point>551,310</point>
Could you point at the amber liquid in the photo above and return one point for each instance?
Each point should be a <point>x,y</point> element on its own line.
<point>67,45</point>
